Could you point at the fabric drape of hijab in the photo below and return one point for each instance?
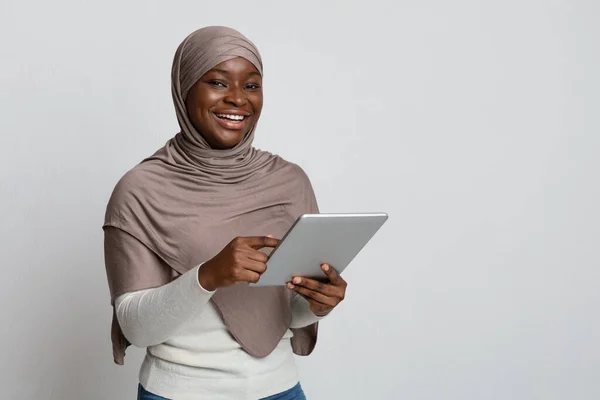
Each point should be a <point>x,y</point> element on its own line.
<point>187,201</point>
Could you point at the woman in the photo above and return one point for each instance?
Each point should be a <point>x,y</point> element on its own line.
<point>185,232</point>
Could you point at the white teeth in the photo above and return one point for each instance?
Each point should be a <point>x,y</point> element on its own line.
<point>231,116</point>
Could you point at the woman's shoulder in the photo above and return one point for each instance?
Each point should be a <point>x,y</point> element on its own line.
<point>137,178</point>
<point>133,184</point>
<point>293,174</point>
<point>287,167</point>
<point>297,188</point>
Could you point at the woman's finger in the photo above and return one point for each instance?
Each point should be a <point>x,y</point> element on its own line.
<point>255,266</point>
<point>259,242</point>
<point>320,287</point>
<point>315,296</point>
<point>333,276</point>
<point>249,276</point>
<point>256,255</point>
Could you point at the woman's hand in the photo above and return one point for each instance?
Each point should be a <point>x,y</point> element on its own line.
<point>322,296</point>
<point>239,261</point>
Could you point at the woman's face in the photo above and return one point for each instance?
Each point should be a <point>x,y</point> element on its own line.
<point>226,102</point>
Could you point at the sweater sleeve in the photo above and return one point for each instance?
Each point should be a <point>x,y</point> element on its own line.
<point>152,316</point>
<point>302,315</point>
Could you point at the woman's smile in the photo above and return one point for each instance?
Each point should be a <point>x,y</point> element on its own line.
<point>234,120</point>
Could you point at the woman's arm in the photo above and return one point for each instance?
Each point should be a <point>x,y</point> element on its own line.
<point>302,315</point>
<point>168,300</point>
<point>152,316</point>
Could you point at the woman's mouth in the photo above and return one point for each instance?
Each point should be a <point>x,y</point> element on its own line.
<point>231,121</point>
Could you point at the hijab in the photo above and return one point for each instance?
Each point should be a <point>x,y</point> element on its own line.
<point>187,201</point>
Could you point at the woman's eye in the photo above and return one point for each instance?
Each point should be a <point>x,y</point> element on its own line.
<point>253,86</point>
<point>217,83</point>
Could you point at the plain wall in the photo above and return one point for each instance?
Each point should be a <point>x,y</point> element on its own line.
<point>474,124</point>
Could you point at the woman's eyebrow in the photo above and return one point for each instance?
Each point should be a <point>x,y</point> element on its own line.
<point>225,72</point>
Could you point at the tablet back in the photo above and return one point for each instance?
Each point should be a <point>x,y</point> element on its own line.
<point>315,239</point>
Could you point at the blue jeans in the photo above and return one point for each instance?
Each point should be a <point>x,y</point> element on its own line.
<point>295,393</point>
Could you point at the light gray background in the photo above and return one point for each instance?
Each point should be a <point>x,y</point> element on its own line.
<point>474,124</point>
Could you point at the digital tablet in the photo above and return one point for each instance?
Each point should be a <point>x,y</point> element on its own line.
<point>315,239</point>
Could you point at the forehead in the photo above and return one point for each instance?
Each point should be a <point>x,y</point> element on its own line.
<point>235,66</point>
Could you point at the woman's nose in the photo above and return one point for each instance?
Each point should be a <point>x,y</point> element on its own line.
<point>235,95</point>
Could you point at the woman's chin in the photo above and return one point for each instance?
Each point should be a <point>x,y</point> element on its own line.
<point>225,142</point>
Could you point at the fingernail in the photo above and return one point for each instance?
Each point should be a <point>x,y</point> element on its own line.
<point>325,267</point>
<point>290,286</point>
<point>270,236</point>
<point>296,280</point>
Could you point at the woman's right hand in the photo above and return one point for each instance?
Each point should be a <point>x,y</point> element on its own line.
<point>239,261</point>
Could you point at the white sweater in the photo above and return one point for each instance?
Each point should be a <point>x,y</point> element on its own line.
<point>191,354</point>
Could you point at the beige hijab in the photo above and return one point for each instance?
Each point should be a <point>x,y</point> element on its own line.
<point>181,206</point>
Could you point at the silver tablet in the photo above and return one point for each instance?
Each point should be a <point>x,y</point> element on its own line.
<point>315,239</point>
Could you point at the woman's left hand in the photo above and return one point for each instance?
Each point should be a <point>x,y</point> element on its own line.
<point>322,296</point>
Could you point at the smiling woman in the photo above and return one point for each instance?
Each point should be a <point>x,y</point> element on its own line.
<point>226,102</point>
<point>183,234</point>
